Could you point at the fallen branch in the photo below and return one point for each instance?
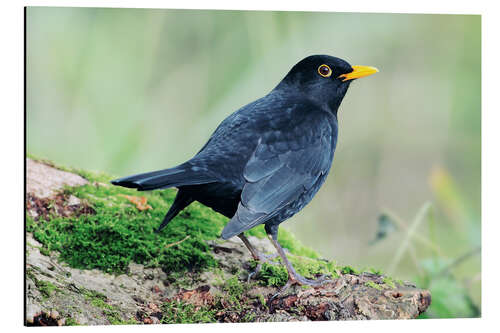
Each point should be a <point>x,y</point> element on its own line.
<point>177,243</point>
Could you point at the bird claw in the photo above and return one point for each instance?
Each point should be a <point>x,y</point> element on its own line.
<point>253,274</point>
<point>280,291</point>
<point>301,281</point>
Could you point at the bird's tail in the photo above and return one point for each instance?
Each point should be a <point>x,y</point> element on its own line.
<point>182,200</point>
<point>182,175</point>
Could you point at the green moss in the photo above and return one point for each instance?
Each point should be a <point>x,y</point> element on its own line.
<point>70,322</point>
<point>30,223</point>
<point>93,296</point>
<point>234,287</point>
<point>99,303</point>
<point>232,300</point>
<point>389,282</point>
<point>114,318</point>
<point>233,292</point>
<point>375,271</point>
<point>46,288</point>
<point>302,258</point>
<point>118,233</point>
<point>273,275</point>
<point>249,317</point>
<point>277,275</point>
<point>349,270</point>
<point>178,312</point>
<point>373,285</point>
<point>262,300</point>
<point>44,251</point>
<point>99,300</point>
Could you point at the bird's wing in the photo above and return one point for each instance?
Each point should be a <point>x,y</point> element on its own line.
<point>283,167</point>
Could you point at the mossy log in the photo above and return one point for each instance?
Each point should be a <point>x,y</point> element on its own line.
<point>92,258</point>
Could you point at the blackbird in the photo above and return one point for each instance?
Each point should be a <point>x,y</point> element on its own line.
<point>268,159</point>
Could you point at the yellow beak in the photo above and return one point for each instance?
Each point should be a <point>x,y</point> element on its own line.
<point>359,71</point>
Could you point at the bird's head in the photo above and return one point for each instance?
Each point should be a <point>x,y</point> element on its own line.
<point>323,79</point>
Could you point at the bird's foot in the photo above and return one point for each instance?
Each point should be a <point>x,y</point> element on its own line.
<point>301,281</point>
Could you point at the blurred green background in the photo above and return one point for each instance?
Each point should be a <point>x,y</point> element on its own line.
<point>133,90</point>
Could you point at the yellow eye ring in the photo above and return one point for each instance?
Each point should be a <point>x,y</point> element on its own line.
<point>324,70</point>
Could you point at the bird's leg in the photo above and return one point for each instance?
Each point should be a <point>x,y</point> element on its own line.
<point>257,256</point>
<point>293,276</point>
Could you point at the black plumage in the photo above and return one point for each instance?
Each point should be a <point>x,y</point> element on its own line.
<point>267,160</point>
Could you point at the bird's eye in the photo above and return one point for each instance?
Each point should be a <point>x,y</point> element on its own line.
<point>324,71</point>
